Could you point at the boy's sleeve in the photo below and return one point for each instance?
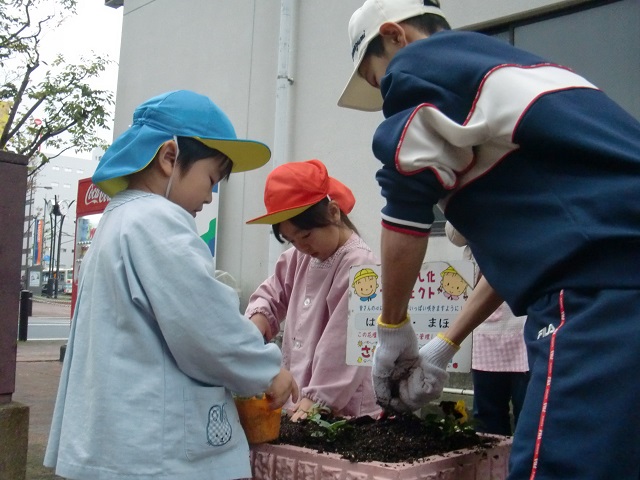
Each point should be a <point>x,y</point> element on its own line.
<point>173,277</point>
<point>271,298</point>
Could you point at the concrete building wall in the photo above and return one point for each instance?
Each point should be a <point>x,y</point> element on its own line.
<point>229,51</point>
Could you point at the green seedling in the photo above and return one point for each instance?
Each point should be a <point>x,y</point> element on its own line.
<point>326,429</point>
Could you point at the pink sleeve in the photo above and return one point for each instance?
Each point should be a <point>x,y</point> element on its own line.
<point>272,297</point>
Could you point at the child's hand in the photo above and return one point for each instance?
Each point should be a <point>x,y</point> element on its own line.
<point>261,321</point>
<point>282,386</point>
<point>301,409</point>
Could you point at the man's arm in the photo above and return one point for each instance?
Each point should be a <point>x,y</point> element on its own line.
<point>482,302</point>
<point>402,258</point>
<point>425,382</point>
<point>397,351</point>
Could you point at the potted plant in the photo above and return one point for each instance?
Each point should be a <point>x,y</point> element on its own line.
<point>396,447</point>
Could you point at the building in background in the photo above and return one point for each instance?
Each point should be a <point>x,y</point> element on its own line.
<point>277,68</point>
<point>56,181</point>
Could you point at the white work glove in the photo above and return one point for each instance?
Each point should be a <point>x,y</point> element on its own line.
<point>426,381</point>
<point>396,354</point>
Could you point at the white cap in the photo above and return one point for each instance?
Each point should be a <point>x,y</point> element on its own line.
<point>364,26</point>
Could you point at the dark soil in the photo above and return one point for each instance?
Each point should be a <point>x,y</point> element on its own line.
<point>402,438</point>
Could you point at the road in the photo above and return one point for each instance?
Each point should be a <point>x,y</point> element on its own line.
<point>50,321</point>
<point>48,328</point>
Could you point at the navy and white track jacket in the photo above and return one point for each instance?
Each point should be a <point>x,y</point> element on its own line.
<point>533,164</point>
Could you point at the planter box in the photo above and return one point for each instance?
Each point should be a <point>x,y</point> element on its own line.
<point>286,462</point>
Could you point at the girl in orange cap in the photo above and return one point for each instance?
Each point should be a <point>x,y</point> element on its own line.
<point>310,287</point>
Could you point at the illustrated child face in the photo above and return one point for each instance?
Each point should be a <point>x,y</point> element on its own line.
<point>366,286</point>
<point>453,283</point>
<point>320,242</point>
<point>192,190</point>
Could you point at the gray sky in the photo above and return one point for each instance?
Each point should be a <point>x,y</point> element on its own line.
<point>95,28</point>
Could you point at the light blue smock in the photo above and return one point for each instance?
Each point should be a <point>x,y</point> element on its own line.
<point>156,347</point>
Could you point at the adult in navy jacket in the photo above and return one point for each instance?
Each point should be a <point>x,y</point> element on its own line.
<point>540,171</point>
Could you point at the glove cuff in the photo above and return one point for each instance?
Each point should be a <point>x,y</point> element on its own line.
<point>399,335</point>
<point>439,351</point>
<point>406,320</point>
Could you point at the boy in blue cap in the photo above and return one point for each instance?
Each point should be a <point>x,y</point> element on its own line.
<point>540,172</point>
<point>157,344</point>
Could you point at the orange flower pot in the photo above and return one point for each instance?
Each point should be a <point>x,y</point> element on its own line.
<point>260,423</point>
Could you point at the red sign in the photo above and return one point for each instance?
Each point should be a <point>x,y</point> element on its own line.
<point>90,198</point>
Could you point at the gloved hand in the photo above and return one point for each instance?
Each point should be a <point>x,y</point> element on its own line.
<point>426,381</point>
<point>396,354</point>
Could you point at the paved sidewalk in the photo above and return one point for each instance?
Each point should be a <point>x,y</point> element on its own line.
<point>38,369</point>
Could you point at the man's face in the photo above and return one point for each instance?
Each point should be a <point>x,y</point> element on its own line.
<point>373,67</point>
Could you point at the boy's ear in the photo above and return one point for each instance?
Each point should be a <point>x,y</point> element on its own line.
<point>394,34</point>
<point>166,157</point>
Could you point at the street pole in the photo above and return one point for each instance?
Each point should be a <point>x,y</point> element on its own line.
<point>56,214</point>
<point>58,255</point>
<point>51,244</point>
<point>62,209</point>
<point>52,283</point>
<point>44,231</point>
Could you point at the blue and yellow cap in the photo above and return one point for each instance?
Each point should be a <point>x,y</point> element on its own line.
<point>180,113</point>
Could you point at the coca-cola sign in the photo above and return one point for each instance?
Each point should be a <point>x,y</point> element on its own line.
<point>90,198</point>
<point>95,195</point>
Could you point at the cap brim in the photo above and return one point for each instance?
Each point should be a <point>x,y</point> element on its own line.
<point>278,217</point>
<point>360,95</point>
<point>245,154</point>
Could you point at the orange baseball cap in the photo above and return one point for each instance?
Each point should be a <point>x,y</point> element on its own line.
<point>294,187</point>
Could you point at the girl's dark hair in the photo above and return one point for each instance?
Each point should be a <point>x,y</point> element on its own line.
<point>316,216</point>
<point>428,23</point>
<point>191,150</point>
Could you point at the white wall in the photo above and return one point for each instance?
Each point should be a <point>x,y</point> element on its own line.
<point>228,50</point>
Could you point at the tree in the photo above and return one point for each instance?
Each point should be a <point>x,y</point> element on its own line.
<point>57,106</point>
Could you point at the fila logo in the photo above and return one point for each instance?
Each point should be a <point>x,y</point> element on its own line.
<point>546,331</point>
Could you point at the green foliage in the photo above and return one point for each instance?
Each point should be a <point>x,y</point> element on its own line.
<point>72,112</point>
<point>329,430</point>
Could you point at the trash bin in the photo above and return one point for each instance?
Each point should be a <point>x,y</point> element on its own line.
<point>26,310</point>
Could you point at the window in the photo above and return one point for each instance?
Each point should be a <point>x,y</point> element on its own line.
<point>610,61</point>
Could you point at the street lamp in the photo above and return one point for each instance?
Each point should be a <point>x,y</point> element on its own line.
<point>62,211</point>
<point>54,213</point>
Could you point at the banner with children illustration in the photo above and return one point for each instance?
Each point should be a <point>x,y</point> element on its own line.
<point>440,291</point>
